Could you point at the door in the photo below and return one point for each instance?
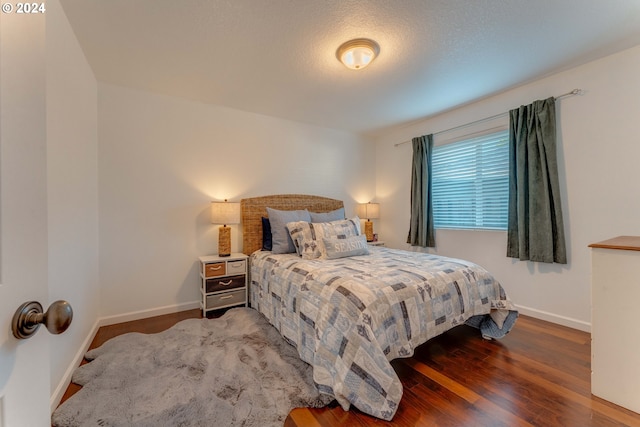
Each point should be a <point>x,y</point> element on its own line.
<point>24,364</point>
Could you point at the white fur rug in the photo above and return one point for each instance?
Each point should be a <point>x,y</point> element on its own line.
<point>232,371</point>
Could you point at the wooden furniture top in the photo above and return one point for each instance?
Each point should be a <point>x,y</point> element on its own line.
<point>627,243</point>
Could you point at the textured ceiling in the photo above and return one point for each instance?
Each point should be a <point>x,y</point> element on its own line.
<point>277,57</point>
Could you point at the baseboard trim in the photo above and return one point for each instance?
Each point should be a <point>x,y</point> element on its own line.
<point>555,318</point>
<point>143,314</point>
<point>58,393</point>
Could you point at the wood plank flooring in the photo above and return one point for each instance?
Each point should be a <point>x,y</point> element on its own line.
<point>538,375</point>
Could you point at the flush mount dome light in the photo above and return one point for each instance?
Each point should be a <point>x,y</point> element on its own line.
<point>357,53</point>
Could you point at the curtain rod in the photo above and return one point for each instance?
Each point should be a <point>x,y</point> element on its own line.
<point>564,95</point>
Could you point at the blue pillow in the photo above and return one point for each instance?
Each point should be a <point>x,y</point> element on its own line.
<point>350,246</point>
<point>280,238</point>
<point>336,215</point>
<point>267,243</point>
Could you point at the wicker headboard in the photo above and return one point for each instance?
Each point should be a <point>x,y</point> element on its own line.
<point>253,209</point>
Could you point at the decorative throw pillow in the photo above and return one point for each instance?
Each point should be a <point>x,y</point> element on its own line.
<point>280,238</point>
<point>340,248</point>
<point>308,236</point>
<point>335,215</point>
<point>266,234</point>
<point>303,236</point>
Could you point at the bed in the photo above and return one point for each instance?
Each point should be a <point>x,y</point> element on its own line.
<point>350,316</point>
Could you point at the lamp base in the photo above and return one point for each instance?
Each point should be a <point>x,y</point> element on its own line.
<point>224,241</point>
<point>368,230</point>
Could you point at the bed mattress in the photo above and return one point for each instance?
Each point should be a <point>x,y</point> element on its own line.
<point>350,317</point>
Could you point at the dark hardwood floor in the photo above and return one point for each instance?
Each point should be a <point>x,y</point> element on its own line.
<point>538,375</point>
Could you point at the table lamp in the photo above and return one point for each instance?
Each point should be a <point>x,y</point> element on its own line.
<point>225,213</point>
<point>369,211</point>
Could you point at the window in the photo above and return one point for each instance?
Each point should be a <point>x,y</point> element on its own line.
<point>471,183</point>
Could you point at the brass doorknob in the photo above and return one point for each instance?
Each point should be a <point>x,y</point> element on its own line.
<point>29,316</point>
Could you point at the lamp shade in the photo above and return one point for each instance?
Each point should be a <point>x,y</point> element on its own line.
<point>369,210</point>
<point>225,212</point>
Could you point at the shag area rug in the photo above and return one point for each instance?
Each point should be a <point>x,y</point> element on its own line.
<point>232,371</point>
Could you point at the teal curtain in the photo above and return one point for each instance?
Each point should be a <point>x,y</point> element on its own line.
<point>421,231</point>
<point>535,227</point>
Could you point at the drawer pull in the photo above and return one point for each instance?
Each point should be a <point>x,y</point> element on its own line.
<point>226,297</point>
<point>218,267</point>
<point>226,283</point>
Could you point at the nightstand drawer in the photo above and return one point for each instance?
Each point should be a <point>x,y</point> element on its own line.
<point>237,267</point>
<point>224,283</point>
<point>215,269</point>
<point>227,298</point>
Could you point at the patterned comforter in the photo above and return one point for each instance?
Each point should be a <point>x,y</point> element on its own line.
<point>349,317</point>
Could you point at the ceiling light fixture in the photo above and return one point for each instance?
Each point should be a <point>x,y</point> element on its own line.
<point>357,53</point>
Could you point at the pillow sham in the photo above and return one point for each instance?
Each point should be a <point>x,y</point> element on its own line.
<point>341,248</point>
<point>267,243</point>
<point>308,236</point>
<point>335,215</point>
<point>281,242</point>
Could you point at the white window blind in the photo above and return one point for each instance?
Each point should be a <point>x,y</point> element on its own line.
<point>471,183</point>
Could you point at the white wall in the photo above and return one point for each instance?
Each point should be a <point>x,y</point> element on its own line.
<point>598,154</point>
<point>162,160</point>
<point>72,189</point>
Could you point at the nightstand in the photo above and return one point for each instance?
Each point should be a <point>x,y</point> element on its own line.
<point>378,243</point>
<point>223,281</point>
